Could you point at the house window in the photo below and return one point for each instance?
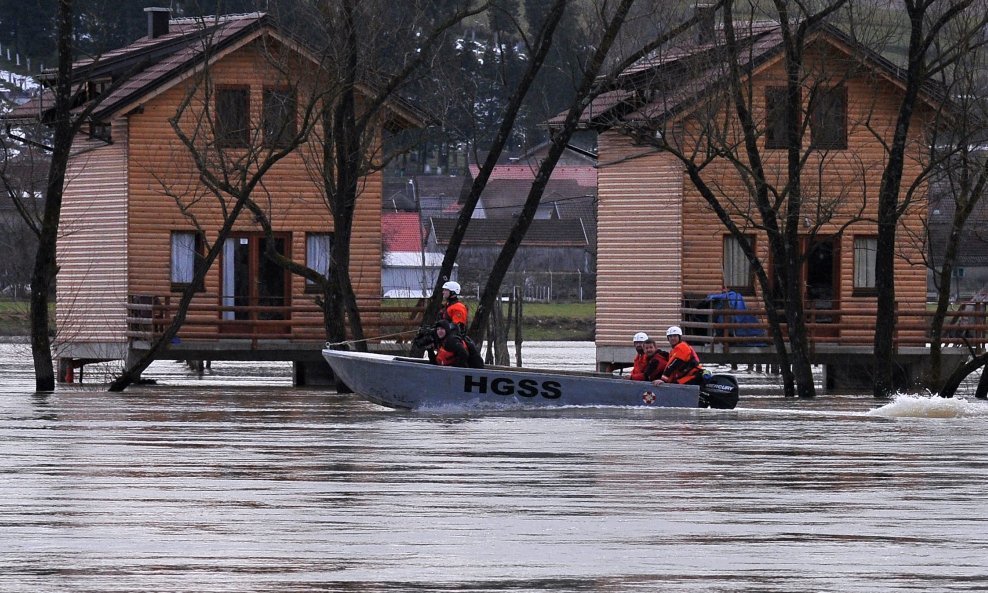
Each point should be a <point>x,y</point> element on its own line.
<point>775,117</point>
<point>232,116</point>
<point>279,109</point>
<point>828,122</point>
<point>317,246</point>
<point>737,269</point>
<point>187,256</point>
<point>865,249</point>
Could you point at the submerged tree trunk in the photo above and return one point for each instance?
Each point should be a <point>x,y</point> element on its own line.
<point>45,267</point>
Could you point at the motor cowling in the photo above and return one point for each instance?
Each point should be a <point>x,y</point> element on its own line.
<point>720,392</point>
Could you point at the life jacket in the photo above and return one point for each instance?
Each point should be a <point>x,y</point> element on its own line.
<point>456,313</point>
<point>452,356</point>
<point>684,365</point>
<point>638,368</point>
<point>655,366</point>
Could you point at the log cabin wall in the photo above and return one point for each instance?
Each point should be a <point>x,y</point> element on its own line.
<point>652,252</point>
<point>92,250</point>
<point>162,169</point>
<point>639,238</point>
<point>844,181</point>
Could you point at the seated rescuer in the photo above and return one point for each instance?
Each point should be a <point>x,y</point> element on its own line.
<point>453,310</point>
<point>684,365</point>
<point>451,350</point>
<point>656,361</point>
<point>638,368</point>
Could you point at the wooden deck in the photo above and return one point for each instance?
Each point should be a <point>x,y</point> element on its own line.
<point>258,332</point>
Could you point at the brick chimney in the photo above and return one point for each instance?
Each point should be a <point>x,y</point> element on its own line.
<point>157,21</point>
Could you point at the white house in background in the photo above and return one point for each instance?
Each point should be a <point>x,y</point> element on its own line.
<point>407,271</point>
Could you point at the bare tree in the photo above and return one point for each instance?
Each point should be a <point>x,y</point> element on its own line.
<point>928,20</point>
<point>64,126</point>
<point>956,168</point>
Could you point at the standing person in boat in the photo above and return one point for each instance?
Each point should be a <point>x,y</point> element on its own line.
<point>638,365</point>
<point>449,349</point>
<point>684,365</point>
<point>453,310</point>
<point>655,362</point>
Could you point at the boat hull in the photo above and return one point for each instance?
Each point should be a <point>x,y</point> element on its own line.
<point>408,383</point>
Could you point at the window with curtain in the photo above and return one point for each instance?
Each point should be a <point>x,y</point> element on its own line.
<point>737,269</point>
<point>232,117</point>
<point>865,249</point>
<point>187,247</point>
<point>317,246</point>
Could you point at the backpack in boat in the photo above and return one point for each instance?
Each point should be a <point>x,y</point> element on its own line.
<point>719,392</point>
<point>474,359</point>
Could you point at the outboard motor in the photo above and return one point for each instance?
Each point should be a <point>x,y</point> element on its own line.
<point>720,392</point>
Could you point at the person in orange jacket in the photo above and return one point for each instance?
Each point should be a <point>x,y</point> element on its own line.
<point>684,365</point>
<point>638,364</point>
<point>450,348</point>
<point>453,310</point>
<point>656,361</point>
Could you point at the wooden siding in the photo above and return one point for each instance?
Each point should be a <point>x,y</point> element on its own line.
<point>639,241</point>
<point>160,166</point>
<point>92,245</point>
<point>640,279</point>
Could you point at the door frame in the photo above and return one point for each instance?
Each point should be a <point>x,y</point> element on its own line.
<point>232,324</point>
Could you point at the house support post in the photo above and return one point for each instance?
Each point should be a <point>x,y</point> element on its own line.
<point>313,373</point>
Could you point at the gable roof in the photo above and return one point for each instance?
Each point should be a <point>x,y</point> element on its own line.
<point>677,77</point>
<point>149,66</point>
<point>401,231</point>
<point>489,232</point>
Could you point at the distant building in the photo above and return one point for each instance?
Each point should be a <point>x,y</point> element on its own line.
<point>408,270</point>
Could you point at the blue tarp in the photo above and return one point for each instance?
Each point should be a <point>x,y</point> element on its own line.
<point>733,300</point>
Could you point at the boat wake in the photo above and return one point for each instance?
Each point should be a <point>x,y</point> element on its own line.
<point>921,406</point>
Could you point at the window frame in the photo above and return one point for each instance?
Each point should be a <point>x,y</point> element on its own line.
<point>856,289</point>
<point>226,135</point>
<point>822,119</point>
<point>198,255</point>
<point>746,289</point>
<point>775,117</point>
<point>287,122</point>
<point>310,286</point>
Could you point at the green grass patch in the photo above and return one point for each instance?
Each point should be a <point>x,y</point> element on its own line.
<point>14,318</point>
<point>540,321</point>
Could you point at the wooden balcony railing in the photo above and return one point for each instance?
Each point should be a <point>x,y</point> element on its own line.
<point>732,328</point>
<point>149,315</point>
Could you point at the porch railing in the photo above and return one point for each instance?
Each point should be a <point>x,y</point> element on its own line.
<point>848,326</point>
<point>149,315</point>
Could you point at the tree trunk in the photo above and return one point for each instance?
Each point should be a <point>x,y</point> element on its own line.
<point>544,43</point>
<point>585,93</point>
<point>45,267</point>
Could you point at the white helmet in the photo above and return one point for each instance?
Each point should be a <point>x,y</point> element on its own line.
<point>453,287</point>
<point>675,330</point>
<point>640,337</point>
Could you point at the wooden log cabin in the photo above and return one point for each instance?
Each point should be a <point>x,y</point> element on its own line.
<point>661,248</point>
<point>135,214</point>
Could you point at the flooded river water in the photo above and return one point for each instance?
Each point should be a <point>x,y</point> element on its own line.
<point>237,482</point>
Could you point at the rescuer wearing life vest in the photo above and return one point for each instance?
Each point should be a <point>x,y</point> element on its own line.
<point>684,365</point>
<point>638,366</point>
<point>453,310</point>
<point>655,361</point>
<point>450,348</point>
